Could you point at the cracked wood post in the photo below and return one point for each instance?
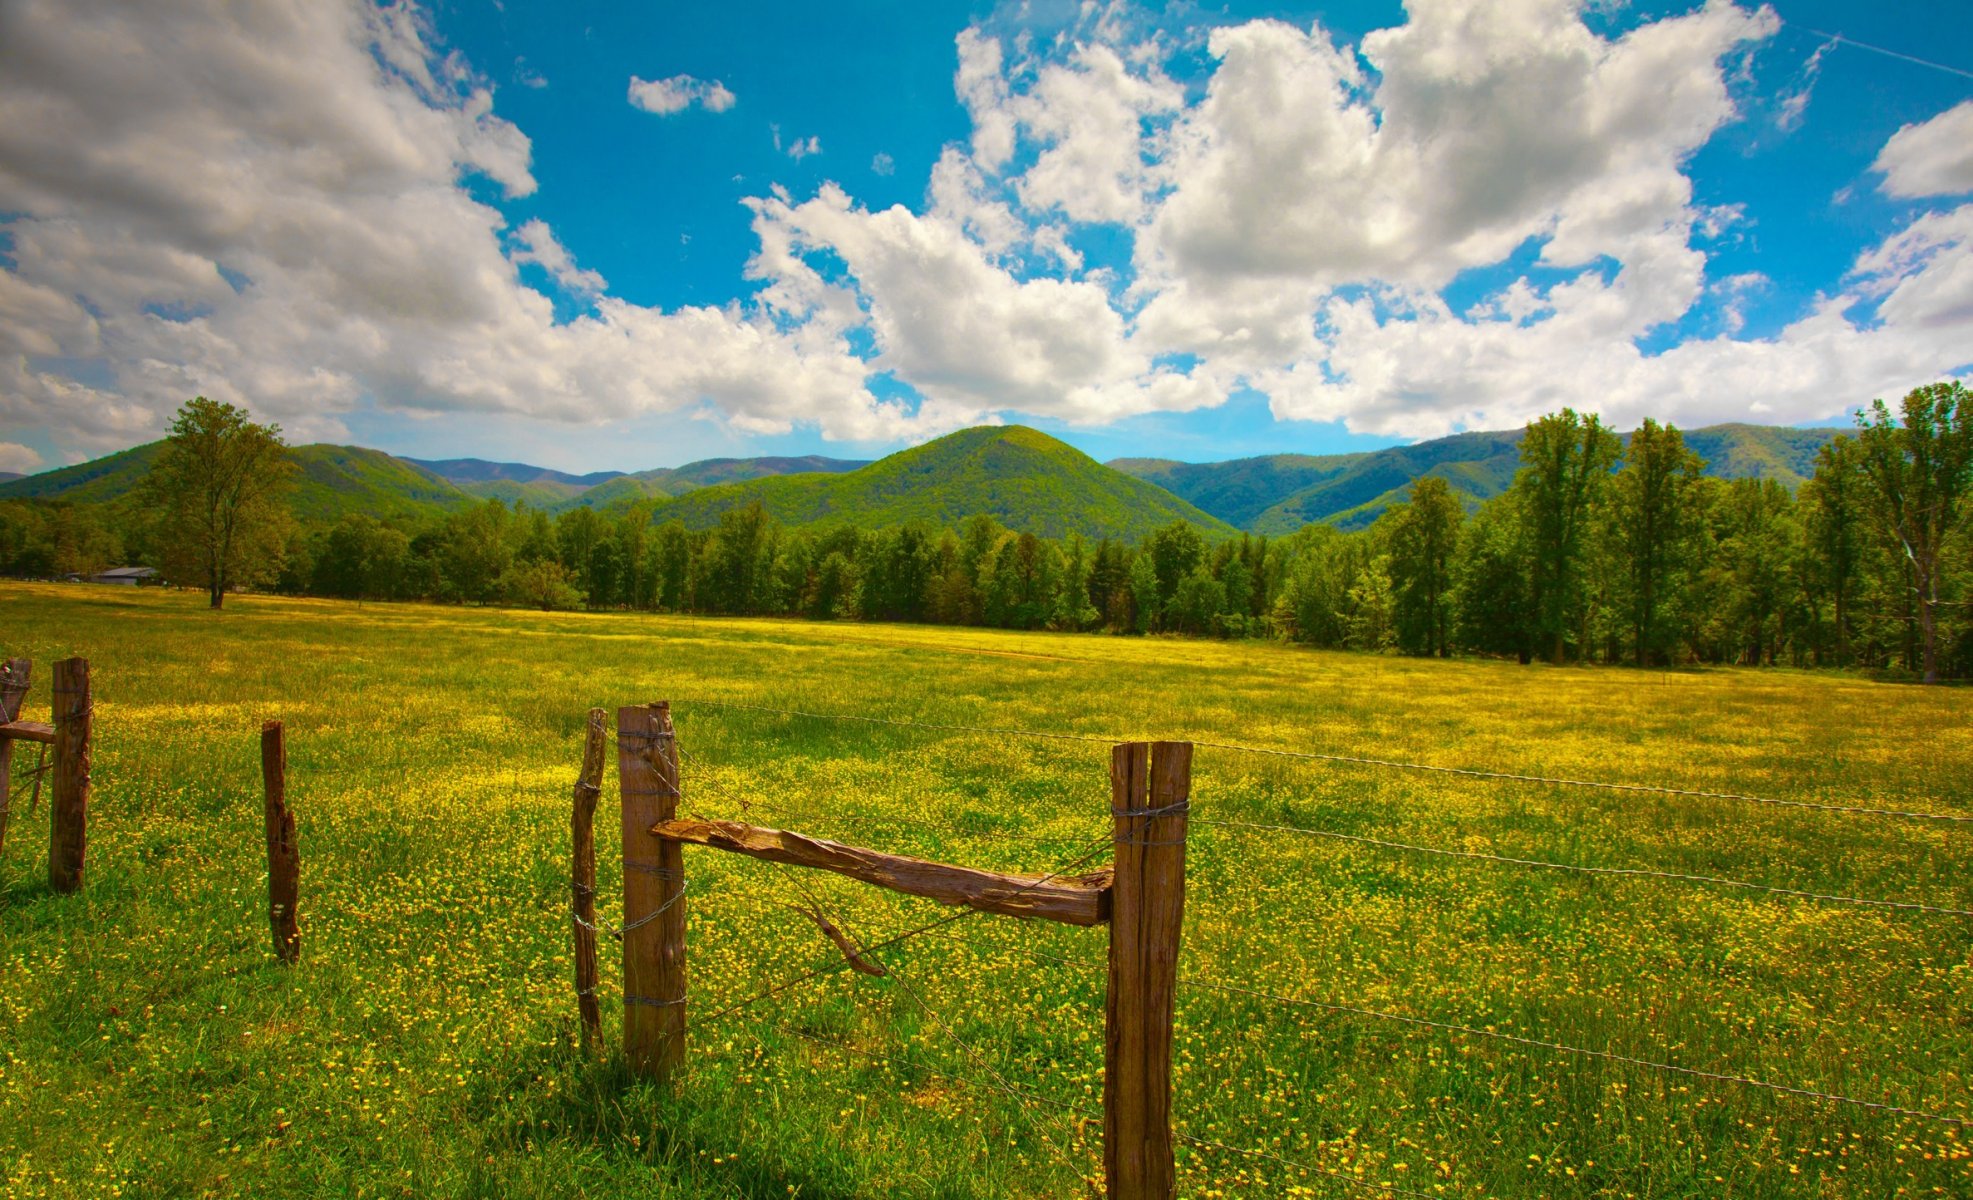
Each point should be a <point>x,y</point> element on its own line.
<point>69,806</point>
<point>653,882</point>
<point>582,877</point>
<point>283,853</point>
<point>1150,784</point>
<point>13,691</point>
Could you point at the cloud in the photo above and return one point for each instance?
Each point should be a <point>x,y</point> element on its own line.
<point>1930,159</point>
<point>883,164</point>
<point>18,458</point>
<point>678,93</point>
<point>797,149</point>
<point>539,246</point>
<point>326,256</point>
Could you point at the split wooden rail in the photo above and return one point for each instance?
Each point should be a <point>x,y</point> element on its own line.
<point>1141,898</point>
<point>69,737</point>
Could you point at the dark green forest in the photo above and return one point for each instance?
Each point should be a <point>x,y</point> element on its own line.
<point>1601,549</point>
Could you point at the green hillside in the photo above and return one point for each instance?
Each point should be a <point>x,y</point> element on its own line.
<point>1021,477</point>
<point>332,481</point>
<point>1280,493</point>
<point>665,482</point>
<point>540,493</point>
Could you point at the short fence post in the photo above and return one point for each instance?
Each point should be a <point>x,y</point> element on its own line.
<point>13,690</point>
<point>283,854</point>
<point>69,808</point>
<point>653,884</point>
<point>1150,785</point>
<point>582,878</point>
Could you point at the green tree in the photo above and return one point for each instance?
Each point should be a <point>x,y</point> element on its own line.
<point>1566,461</point>
<point>1649,531</point>
<point>1833,533</point>
<point>1920,469</point>
<point>1424,538</point>
<point>218,487</point>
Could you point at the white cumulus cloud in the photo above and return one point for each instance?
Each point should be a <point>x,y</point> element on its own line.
<point>1934,158</point>
<point>678,93</point>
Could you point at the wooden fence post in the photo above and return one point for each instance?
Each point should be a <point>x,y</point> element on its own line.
<point>283,854</point>
<point>1150,784</point>
<point>13,691</point>
<point>69,808</point>
<point>653,884</point>
<point>582,878</point>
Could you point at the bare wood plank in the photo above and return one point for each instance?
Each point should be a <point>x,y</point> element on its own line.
<point>653,882</point>
<point>1071,900</point>
<point>1150,785</point>
<point>13,691</point>
<point>69,807</point>
<point>283,852</point>
<point>27,731</point>
<point>582,880</point>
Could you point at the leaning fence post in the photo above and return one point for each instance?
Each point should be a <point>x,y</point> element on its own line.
<point>13,690</point>
<point>582,878</point>
<point>1150,784</point>
<point>653,883</point>
<point>69,809</point>
<point>283,854</point>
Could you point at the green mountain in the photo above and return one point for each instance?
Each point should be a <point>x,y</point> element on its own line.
<point>333,480</point>
<point>665,482</point>
<point>1280,493</point>
<point>1021,477</point>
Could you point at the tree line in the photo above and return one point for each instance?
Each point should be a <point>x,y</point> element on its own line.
<point>1601,550</point>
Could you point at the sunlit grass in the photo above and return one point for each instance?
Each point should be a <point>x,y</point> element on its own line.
<point>149,1046</point>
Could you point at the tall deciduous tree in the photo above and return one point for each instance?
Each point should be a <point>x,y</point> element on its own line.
<point>1566,461</point>
<point>1424,537</point>
<point>217,488</point>
<point>1650,534</point>
<point>1833,530</point>
<point>1920,470</point>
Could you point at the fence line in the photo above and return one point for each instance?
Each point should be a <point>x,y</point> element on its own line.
<point>1633,872</point>
<point>1583,1051</point>
<point>1355,760</point>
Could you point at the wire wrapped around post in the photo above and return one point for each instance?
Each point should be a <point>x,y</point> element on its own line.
<point>653,884</point>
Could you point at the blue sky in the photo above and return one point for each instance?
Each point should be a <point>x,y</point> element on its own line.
<point>622,236</point>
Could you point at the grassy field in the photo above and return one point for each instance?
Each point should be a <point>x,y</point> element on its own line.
<point>425,1047</point>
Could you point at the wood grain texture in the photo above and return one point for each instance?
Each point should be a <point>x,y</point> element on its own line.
<point>13,692</point>
<point>283,852</point>
<point>69,806</point>
<point>653,880</point>
<point>582,876</point>
<point>1149,787</point>
<point>28,731</point>
<point>1071,900</point>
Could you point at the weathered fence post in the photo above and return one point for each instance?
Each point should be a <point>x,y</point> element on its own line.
<point>582,878</point>
<point>13,690</point>
<point>69,808</point>
<point>653,882</point>
<point>283,855</point>
<point>1150,785</point>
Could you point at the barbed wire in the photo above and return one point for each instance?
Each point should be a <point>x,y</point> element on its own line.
<point>1628,872</point>
<point>1583,1051</point>
<point>1360,760</point>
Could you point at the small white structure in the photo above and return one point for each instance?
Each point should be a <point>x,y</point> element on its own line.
<point>127,576</point>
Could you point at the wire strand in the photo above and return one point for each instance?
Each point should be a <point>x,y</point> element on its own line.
<point>1358,760</point>
<point>1583,1051</point>
<point>1576,868</point>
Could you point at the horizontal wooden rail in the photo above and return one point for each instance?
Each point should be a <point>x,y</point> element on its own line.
<point>28,731</point>
<point>1070,899</point>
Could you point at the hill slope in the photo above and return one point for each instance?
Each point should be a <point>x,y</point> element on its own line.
<point>1021,477</point>
<point>1280,493</point>
<point>332,481</point>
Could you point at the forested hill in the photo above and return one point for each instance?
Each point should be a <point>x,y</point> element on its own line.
<point>1280,493</point>
<point>333,481</point>
<point>1023,478</point>
<point>542,487</point>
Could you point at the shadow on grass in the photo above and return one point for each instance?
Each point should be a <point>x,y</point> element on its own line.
<point>600,1104</point>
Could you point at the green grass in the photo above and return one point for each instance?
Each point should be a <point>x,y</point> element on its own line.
<point>150,1047</point>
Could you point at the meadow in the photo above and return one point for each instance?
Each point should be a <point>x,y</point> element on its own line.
<point>426,1044</point>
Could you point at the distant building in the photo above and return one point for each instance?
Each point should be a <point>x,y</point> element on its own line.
<point>127,576</point>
